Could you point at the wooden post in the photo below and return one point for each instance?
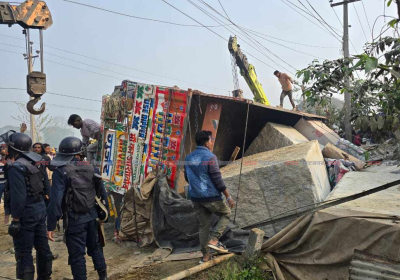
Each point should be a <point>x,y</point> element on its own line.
<point>201,267</point>
<point>255,242</point>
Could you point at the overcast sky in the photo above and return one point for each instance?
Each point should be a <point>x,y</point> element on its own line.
<point>186,56</point>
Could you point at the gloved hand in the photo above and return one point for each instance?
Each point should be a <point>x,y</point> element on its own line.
<point>14,228</point>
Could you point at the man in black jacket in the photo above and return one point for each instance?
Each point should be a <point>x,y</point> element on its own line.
<point>73,198</point>
<point>28,227</point>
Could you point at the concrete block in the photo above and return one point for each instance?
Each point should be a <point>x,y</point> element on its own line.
<point>254,243</point>
<point>277,181</point>
<point>274,136</point>
<point>316,130</point>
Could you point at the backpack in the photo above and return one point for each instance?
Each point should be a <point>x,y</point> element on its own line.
<point>81,192</point>
<point>34,178</point>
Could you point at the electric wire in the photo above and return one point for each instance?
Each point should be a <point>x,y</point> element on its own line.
<point>325,30</point>
<point>122,66</point>
<point>365,12</point>
<point>223,9</point>
<point>136,17</point>
<point>341,23</point>
<point>322,22</point>
<point>77,68</point>
<point>86,64</point>
<point>312,7</point>
<point>285,46</point>
<point>359,20</point>
<point>56,105</point>
<point>243,30</point>
<point>53,93</point>
<point>182,12</point>
<point>212,31</point>
<point>291,42</point>
<point>254,41</point>
<point>255,46</point>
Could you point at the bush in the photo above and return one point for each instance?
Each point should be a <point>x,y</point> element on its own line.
<point>240,269</point>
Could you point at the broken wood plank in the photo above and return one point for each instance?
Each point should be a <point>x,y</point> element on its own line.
<point>234,154</point>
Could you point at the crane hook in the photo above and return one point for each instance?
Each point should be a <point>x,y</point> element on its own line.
<point>32,110</point>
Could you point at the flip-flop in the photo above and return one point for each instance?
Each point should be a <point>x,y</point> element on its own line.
<point>201,261</point>
<point>219,247</point>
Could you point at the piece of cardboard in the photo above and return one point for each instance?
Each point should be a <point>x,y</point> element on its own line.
<point>331,151</point>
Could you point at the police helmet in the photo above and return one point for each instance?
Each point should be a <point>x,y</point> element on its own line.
<point>22,143</point>
<point>69,147</point>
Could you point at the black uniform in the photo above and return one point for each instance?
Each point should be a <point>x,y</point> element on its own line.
<point>81,231</point>
<point>26,187</point>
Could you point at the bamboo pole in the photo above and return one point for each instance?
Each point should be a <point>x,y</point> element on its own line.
<point>198,268</point>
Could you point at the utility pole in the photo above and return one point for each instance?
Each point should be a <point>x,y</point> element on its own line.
<point>347,95</point>
<point>29,57</point>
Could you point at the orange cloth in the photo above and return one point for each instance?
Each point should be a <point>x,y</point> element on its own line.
<point>285,81</point>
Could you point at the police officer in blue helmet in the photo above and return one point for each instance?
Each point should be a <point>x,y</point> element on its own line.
<point>76,195</point>
<point>25,192</point>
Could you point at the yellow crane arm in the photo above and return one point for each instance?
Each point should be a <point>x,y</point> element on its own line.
<point>248,71</point>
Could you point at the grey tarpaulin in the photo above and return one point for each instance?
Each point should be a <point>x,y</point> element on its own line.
<point>321,245</point>
<point>175,225</point>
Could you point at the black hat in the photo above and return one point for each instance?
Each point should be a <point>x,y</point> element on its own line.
<point>22,143</point>
<point>69,147</point>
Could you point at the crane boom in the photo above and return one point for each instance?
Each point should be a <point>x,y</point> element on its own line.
<point>248,71</point>
<point>31,14</point>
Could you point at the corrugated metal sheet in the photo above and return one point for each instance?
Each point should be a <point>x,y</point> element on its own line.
<point>243,100</point>
<point>366,266</point>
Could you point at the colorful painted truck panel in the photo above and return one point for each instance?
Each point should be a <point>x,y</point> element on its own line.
<point>108,154</point>
<point>150,136</point>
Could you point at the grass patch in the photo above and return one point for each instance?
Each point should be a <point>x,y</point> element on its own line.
<point>237,268</point>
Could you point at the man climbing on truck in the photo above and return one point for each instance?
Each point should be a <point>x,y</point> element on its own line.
<point>286,82</point>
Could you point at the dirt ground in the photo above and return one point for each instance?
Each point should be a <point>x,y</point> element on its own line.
<point>120,259</point>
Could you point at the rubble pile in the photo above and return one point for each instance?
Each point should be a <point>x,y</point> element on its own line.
<point>389,150</point>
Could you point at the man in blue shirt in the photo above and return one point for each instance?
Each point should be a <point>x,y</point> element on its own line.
<point>73,198</point>
<point>26,204</point>
<point>205,190</point>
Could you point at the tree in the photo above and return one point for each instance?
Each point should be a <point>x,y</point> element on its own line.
<point>42,121</point>
<point>375,97</point>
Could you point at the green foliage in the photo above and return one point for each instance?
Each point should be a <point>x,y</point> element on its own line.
<point>241,269</point>
<point>375,98</point>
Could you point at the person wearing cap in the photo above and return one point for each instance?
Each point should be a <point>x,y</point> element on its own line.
<point>27,208</point>
<point>73,195</point>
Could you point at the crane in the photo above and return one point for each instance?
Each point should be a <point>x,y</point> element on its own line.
<point>31,14</point>
<point>247,71</point>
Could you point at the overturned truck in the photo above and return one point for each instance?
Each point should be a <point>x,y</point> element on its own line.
<point>148,130</point>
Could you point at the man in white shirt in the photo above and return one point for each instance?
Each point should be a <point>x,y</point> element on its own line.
<point>89,130</point>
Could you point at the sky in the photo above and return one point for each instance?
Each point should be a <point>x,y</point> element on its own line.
<point>165,54</point>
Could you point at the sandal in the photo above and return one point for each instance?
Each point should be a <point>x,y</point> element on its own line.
<point>219,247</point>
<point>201,261</point>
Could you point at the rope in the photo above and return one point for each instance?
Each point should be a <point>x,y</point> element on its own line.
<point>241,163</point>
<point>323,205</point>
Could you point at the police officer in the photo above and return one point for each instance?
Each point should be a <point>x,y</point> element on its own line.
<point>27,207</point>
<point>73,198</point>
